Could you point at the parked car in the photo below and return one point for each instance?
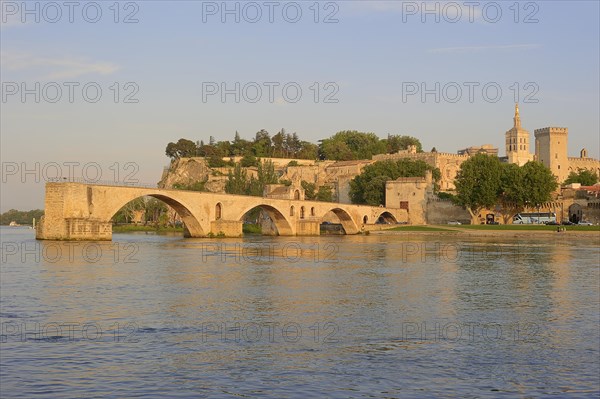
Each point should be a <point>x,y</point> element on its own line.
<point>585,223</point>
<point>567,223</point>
<point>454,222</point>
<point>552,223</point>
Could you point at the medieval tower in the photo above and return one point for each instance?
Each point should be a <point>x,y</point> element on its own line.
<point>551,150</point>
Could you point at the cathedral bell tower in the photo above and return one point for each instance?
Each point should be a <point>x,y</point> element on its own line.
<point>517,142</point>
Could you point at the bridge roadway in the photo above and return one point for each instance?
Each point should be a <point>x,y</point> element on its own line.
<point>83,211</point>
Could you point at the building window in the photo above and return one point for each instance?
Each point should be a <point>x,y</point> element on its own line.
<point>558,166</point>
<point>218,211</point>
<point>292,210</point>
<point>555,156</point>
<point>301,212</point>
<point>312,211</point>
<point>365,219</point>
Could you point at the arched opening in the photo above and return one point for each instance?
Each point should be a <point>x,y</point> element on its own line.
<point>265,220</point>
<point>312,211</point>
<point>301,212</point>
<point>297,195</point>
<point>157,211</point>
<point>218,211</point>
<point>292,210</point>
<point>386,218</point>
<point>575,213</point>
<point>365,219</point>
<point>338,219</point>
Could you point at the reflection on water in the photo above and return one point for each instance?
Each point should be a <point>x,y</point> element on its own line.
<point>355,316</point>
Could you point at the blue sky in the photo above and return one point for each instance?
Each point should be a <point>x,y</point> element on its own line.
<point>374,51</point>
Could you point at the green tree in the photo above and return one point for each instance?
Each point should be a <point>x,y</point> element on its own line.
<point>249,160</point>
<point>154,210</point>
<point>309,189</point>
<point>278,144</point>
<point>396,143</point>
<point>478,184</point>
<point>369,186</point>
<point>308,150</point>
<point>539,181</point>
<point>239,146</point>
<point>237,181</point>
<point>325,193</point>
<point>261,146</point>
<point>529,185</point>
<point>582,176</point>
<point>351,144</point>
<point>182,149</point>
<point>127,211</point>
<point>513,196</point>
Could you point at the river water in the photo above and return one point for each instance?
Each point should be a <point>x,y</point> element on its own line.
<point>405,316</point>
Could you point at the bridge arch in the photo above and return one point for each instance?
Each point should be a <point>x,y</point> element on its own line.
<point>387,217</point>
<point>346,220</point>
<point>283,225</point>
<point>192,225</point>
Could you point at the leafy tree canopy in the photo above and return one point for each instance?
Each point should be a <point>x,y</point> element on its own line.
<point>351,144</point>
<point>583,177</point>
<point>483,182</point>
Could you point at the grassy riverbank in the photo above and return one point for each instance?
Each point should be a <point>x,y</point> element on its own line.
<point>419,228</point>
<point>492,229</point>
<point>524,227</point>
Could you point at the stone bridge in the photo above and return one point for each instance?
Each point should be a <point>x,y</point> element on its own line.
<point>81,211</point>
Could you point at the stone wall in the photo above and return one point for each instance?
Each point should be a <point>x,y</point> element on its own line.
<point>441,211</point>
<point>593,165</point>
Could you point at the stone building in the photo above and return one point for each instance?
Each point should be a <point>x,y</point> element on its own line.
<point>410,193</point>
<point>447,163</point>
<point>551,145</point>
<point>281,191</point>
<point>487,149</point>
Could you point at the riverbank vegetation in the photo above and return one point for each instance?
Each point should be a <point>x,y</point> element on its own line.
<point>20,217</point>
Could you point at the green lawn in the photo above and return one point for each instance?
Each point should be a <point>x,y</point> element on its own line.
<point>419,228</point>
<point>524,227</point>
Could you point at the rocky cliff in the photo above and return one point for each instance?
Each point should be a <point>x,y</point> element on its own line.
<point>186,172</point>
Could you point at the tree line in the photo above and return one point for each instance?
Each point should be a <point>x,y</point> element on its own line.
<point>21,217</point>
<point>343,146</point>
<point>483,182</point>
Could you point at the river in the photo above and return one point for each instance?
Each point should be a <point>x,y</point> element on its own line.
<point>404,316</point>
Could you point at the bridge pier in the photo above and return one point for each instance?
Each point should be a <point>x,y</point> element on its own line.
<point>73,229</point>
<point>308,228</point>
<point>228,228</point>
